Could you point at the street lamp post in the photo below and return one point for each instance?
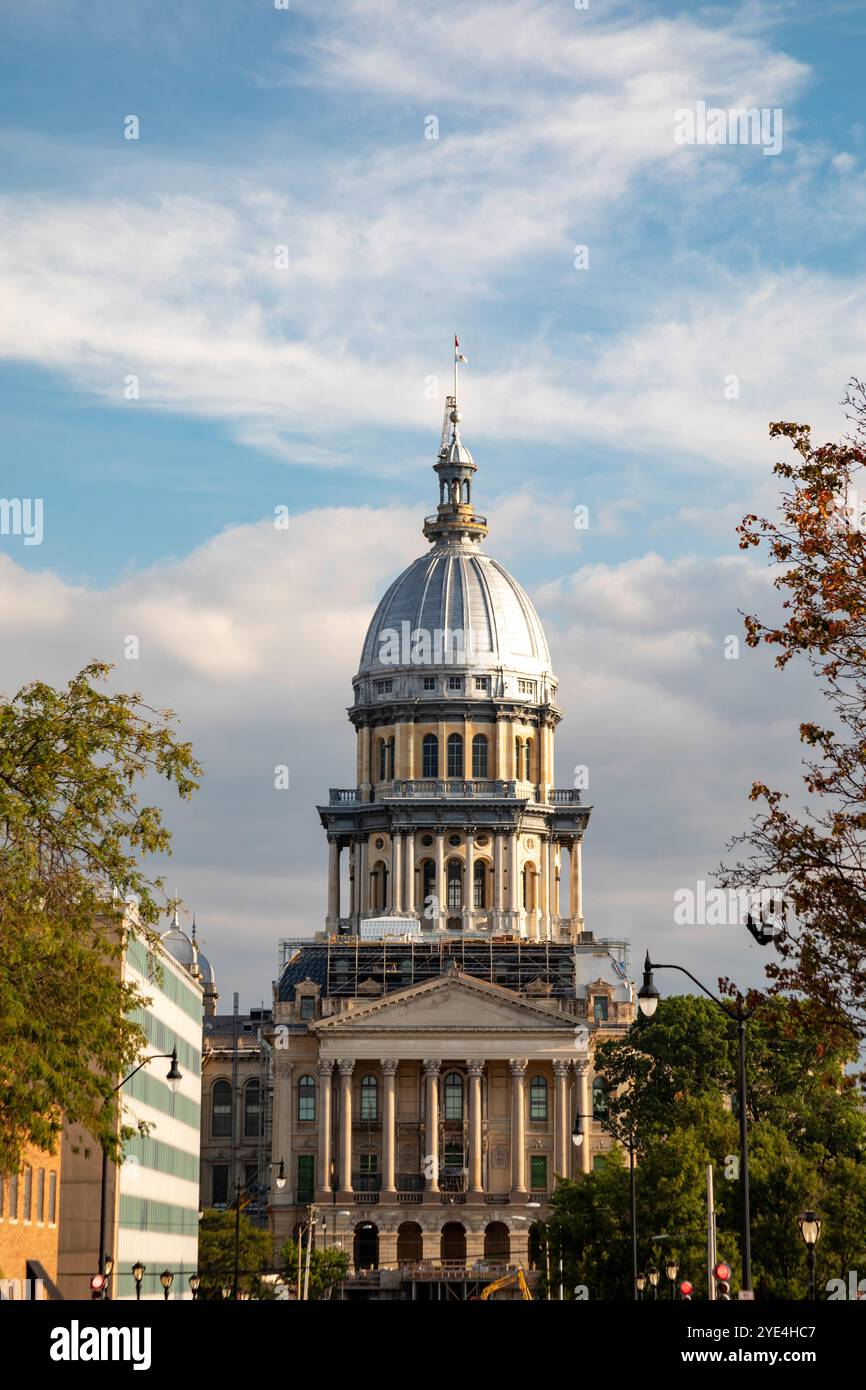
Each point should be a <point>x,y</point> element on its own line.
<point>166,1279</point>
<point>577,1139</point>
<point>240,1188</point>
<point>648,998</point>
<point>653,1276</point>
<point>810,1229</point>
<point>173,1077</point>
<point>672,1269</point>
<point>194,1282</point>
<point>138,1270</point>
<point>640,1285</point>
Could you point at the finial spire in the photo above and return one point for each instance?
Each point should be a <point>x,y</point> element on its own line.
<point>455,520</point>
<point>458,357</point>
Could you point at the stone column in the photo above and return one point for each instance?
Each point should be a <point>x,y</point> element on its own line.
<point>325,1068</point>
<point>584,1109</point>
<point>431,1133</point>
<point>501,769</point>
<point>410,751</point>
<point>518,1125</point>
<point>562,1124</point>
<point>353,879</point>
<point>346,1065</point>
<point>333,881</point>
<point>363,888</point>
<point>366,741</point>
<point>441,888</point>
<point>410,872</point>
<point>576,886</point>
<point>475,1069</point>
<point>544,886</point>
<point>498,876</point>
<point>513,878</point>
<point>469,890</point>
<point>281,1126</point>
<point>554,887</point>
<point>389,1125</point>
<point>396,870</point>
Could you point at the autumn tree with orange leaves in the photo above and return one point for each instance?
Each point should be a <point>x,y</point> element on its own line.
<point>817,857</point>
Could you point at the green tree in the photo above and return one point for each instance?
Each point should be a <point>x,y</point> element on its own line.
<point>216,1256</point>
<point>328,1268</point>
<point>72,833</point>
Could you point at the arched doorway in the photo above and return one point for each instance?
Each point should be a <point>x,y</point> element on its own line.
<point>536,1247</point>
<point>410,1243</point>
<point>453,1245</point>
<point>366,1246</point>
<point>497,1243</point>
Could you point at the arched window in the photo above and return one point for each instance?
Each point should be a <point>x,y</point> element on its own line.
<point>454,1096</point>
<point>527,761</point>
<point>455,884</point>
<point>383,759</point>
<point>221,1109</point>
<point>252,1109</point>
<point>379,894</point>
<point>307,1098</point>
<point>369,1098</point>
<point>455,755</point>
<point>538,1098</point>
<point>428,881</point>
<point>599,1098</point>
<point>430,756</point>
<point>479,887</point>
<point>390,760</point>
<point>479,756</point>
<point>518,759</point>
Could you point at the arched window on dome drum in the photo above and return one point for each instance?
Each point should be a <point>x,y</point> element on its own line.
<point>479,895</point>
<point>430,756</point>
<point>527,761</point>
<point>369,1098</point>
<point>383,755</point>
<point>529,887</point>
<point>538,1098</point>
<point>453,1096</point>
<point>479,756</point>
<point>455,884</point>
<point>386,759</point>
<point>518,759</point>
<point>221,1110</point>
<point>455,755</point>
<point>428,882</point>
<point>252,1110</point>
<point>307,1098</point>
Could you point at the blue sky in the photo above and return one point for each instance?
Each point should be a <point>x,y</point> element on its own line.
<point>309,387</point>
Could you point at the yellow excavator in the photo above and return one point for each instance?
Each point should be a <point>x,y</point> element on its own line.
<point>515,1276</point>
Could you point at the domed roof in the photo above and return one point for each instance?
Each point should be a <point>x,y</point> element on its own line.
<point>456,587</point>
<point>179,946</point>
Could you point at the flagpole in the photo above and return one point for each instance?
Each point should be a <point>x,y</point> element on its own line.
<point>455,371</point>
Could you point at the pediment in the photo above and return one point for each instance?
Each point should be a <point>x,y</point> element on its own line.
<point>450,1002</point>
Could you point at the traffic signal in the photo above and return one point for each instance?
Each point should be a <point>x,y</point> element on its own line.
<point>686,1289</point>
<point>97,1285</point>
<point>722,1276</point>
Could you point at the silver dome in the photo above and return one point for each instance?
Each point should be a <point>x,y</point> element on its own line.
<point>456,587</point>
<point>179,946</point>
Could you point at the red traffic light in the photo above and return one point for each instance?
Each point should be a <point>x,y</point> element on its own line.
<point>686,1289</point>
<point>722,1271</point>
<point>97,1285</point>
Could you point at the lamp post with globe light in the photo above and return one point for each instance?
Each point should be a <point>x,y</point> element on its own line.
<point>648,998</point>
<point>810,1229</point>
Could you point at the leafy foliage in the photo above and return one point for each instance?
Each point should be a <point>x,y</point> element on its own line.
<point>216,1256</point>
<point>807,1139</point>
<point>72,831</point>
<point>328,1268</point>
<point>818,857</point>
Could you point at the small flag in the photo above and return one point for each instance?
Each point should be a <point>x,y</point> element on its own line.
<point>458,355</point>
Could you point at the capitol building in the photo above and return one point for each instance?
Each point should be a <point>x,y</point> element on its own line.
<point>430,1049</point>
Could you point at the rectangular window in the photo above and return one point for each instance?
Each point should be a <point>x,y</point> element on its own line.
<point>369,1163</point>
<point>40,1196</point>
<point>526,688</point>
<point>308,1006</point>
<point>482,683</point>
<point>538,1172</point>
<point>28,1193</point>
<point>428,683</point>
<point>384,687</point>
<point>599,1008</point>
<point>455,682</point>
<point>306,1177</point>
<point>13,1197</point>
<point>220,1185</point>
<point>2,1196</point>
<point>52,1199</point>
